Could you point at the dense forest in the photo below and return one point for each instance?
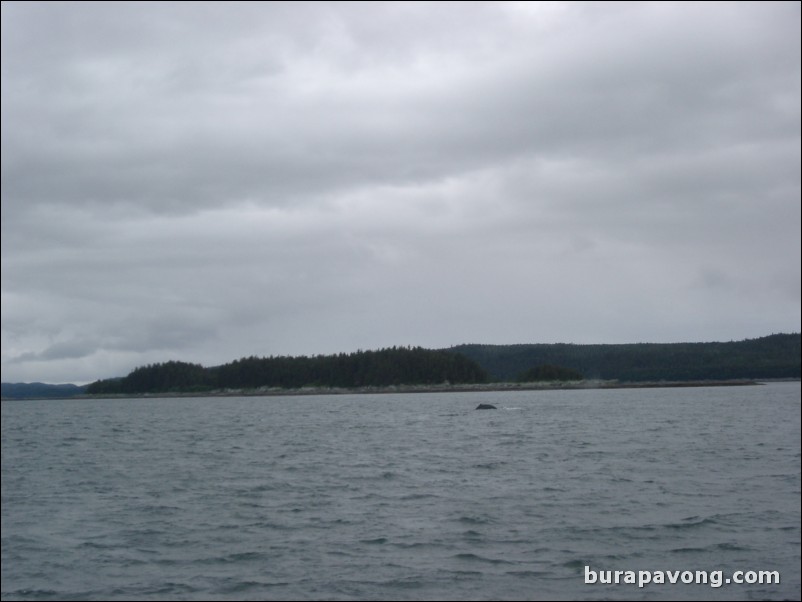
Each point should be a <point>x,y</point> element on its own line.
<point>549,373</point>
<point>39,390</point>
<point>774,356</point>
<point>386,367</point>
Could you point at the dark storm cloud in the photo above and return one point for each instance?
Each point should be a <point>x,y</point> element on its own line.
<point>206,181</point>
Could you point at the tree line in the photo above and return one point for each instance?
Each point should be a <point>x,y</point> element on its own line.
<point>549,373</point>
<point>773,356</point>
<point>382,368</point>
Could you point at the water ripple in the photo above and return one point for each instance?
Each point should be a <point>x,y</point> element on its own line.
<point>400,497</point>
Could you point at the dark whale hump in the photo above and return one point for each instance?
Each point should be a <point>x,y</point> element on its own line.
<point>485,406</point>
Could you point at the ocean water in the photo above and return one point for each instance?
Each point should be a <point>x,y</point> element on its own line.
<point>402,497</point>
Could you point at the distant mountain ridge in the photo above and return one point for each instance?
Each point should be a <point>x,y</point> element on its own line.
<point>383,368</point>
<point>40,390</point>
<point>772,357</point>
<point>777,356</point>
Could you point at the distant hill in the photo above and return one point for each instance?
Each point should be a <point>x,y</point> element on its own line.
<point>770,357</point>
<point>382,368</point>
<point>31,390</point>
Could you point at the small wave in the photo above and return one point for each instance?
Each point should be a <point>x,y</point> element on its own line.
<point>234,587</point>
<point>237,557</point>
<point>244,556</point>
<point>528,574</point>
<point>417,545</point>
<point>575,564</point>
<point>462,573</point>
<point>691,522</point>
<point>474,520</point>
<point>476,558</point>
<point>131,562</point>
<point>719,547</point>
<point>489,465</point>
<point>97,546</point>
<point>403,583</point>
<point>169,589</point>
<point>731,547</point>
<point>260,488</point>
<point>34,594</point>
<point>418,496</point>
<point>376,541</point>
<point>688,550</point>
<point>158,509</point>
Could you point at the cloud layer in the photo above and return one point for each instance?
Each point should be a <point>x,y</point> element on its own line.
<point>207,181</point>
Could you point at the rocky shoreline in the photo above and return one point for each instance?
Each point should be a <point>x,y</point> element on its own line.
<point>441,388</point>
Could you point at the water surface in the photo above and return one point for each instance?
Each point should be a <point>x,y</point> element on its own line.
<point>413,496</point>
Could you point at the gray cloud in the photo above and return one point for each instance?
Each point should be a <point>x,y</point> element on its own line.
<point>206,181</point>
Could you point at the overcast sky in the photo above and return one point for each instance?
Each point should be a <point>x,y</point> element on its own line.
<point>207,181</point>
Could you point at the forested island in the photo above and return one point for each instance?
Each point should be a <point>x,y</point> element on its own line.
<point>772,357</point>
<point>410,368</point>
<point>382,368</point>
